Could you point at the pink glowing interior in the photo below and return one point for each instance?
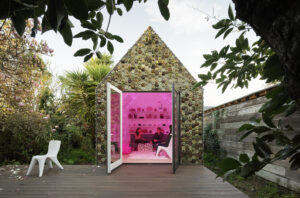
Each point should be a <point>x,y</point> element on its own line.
<point>146,110</point>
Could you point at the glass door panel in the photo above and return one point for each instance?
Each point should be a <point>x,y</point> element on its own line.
<point>175,128</point>
<point>114,127</point>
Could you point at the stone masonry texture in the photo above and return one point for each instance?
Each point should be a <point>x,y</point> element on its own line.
<point>149,65</point>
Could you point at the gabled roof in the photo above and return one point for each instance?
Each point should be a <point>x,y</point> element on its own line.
<point>150,35</point>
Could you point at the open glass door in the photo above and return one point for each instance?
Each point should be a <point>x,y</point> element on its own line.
<point>175,128</point>
<point>114,127</point>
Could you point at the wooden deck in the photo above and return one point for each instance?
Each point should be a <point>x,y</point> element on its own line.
<point>127,181</point>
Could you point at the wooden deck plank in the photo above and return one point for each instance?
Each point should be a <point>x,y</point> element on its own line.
<point>127,181</point>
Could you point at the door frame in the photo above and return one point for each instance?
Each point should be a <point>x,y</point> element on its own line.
<point>120,162</point>
<point>176,111</point>
<point>114,165</point>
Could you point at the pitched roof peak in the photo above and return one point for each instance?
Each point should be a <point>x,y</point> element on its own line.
<point>150,29</point>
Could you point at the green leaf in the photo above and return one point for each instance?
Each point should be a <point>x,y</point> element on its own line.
<point>261,129</point>
<point>92,14</point>
<point>244,158</point>
<point>264,147</point>
<point>99,17</point>
<point>110,47</point>
<point>286,152</point>
<point>95,23</point>
<point>268,137</point>
<point>103,41</point>
<point>220,24</point>
<point>78,9</point>
<point>208,62</point>
<point>128,4</point>
<point>246,135</point>
<point>95,42</point>
<point>88,57</point>
<point>56,12</point>
<point>207,56</point>
<point>246,127</point>
<point>94,4</point>
<point>241,27</point>
<point>295,165</point>
<point>227,32</point>
<point>224,51</point>
<point>163,8</point>
<point>70,23</point>
<point>221,31</point>
<point>198,84</point>
<point>227,174</point>
<point>275,103</point>
<point>228,164</point>
<point>67,35</point>
<point>110,6</point>
<point>258,151</point>
<point>99,55</point>
<point>109,35</point>
<point>86,24</point>
<point>19,23</point>
<point>204,76</point>
<point>268,120</point>
<point>272,69</point>
<point>291,109</point>
<point>230,13</point>
<point>82,52</point>
<point>250,168</point>
<point>52,13</point>
<point>45,24</point>
<point>85,35</point>
<point>118,38</point>
<point>213,66</point>
<point>119,10</point>
<point>225,86</point>
<point>275,91</point>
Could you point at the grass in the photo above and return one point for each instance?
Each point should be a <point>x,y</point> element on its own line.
<point>255,186</point>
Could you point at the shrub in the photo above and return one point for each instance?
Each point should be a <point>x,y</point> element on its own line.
<point>77,156</point>
<point>211,142</point>
<point>22,135</point>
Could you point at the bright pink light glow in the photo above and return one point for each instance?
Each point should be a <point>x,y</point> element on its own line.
<point>145,110</point>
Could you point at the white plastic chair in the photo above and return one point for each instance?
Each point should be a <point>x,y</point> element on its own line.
<point>168,149</point>
<point>50,157</point>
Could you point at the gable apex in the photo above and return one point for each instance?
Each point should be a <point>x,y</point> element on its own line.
<point>151,55</point>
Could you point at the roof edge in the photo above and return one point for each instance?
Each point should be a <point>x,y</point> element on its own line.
<point>251,96</point>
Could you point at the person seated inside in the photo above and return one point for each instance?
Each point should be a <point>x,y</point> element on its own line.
<point>166,143</point>
<point>157,138</point>
<point>138,136</point>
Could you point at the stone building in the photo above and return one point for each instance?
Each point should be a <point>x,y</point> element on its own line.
<point>150,66</point>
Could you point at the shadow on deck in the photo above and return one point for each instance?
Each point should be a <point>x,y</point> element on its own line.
<point>127,181</point>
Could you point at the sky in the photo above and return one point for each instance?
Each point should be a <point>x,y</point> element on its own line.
<point>188,33</point>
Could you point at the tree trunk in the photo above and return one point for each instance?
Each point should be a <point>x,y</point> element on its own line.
<point>278,23</point>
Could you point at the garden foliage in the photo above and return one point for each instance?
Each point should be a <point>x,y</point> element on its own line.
<point>55,15</point>
<point>31,113</point>
<point>236,65</point>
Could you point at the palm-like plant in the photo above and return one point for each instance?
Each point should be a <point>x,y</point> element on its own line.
<point>78,91</point>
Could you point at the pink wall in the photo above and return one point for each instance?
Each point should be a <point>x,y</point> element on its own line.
<point>145,110</point>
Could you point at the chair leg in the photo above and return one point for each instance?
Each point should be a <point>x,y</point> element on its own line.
<point>169,154</point>
<point>158,150</point>
<point>32,163</point>
<point>50,163</point>
<point>54,159</point>
<point>41,166</point>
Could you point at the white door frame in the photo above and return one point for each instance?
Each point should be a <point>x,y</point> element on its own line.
<point>112,166</point>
